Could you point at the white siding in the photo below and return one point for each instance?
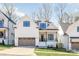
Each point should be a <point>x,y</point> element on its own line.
<point>72,30</point>
<point>31,31</point>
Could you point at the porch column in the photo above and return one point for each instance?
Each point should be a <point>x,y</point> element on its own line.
<point>56,39</point>
<point>46,38</point>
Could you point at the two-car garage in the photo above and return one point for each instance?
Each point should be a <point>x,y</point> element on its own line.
<point>26,41</point>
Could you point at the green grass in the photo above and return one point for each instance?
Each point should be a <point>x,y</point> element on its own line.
<point>53,52</point>
<point>2,47</point>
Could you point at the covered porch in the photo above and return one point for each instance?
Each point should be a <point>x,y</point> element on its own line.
<point>3,35</point>
<point>48,38</point>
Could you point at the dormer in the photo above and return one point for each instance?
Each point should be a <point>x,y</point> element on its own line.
<point>43,25</point>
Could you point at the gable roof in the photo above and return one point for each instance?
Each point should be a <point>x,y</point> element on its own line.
<point>23,17</point>
<point>72,25</point>
<point>76,19</point>
<point>52,26</point>
<point>64,26</point>
<point>8,18</point>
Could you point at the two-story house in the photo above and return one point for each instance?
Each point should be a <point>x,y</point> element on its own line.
<point>35,33</point>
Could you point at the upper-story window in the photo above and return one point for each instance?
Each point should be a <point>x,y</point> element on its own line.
<point>26,23</point>
<point>1,23</point>
<point>43,25</point>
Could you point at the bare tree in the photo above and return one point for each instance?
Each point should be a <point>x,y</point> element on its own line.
<point>33,16</point>
<point>45,12</point>
<point>64,18</point>
<point>9,10</point>
<point>60,9</point>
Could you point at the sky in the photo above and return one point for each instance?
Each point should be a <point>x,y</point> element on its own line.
<point>29,8</point>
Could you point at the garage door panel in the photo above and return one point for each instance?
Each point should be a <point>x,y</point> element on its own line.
<point>75,45</point>
<point>26,42</point>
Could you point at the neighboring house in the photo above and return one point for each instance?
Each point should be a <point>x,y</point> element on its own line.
<point>6,29</point>
<point>35,33</point>
<point>73,35</point>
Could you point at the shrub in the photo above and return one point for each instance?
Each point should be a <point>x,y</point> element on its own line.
<point>59,45</point>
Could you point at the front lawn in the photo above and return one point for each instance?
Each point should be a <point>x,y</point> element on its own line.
<point>2,47</point>
<point>53,52</point>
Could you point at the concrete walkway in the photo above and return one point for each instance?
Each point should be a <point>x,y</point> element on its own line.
<point>18,51</point>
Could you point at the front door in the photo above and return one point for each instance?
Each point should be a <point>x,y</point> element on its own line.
<point>42,37</point>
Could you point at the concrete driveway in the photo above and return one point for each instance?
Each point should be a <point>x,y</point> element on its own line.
<point>18,51</point>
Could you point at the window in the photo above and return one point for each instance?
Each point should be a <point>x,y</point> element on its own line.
<point>78,29</point>
<point>1,23</point>
<point>26,23</point>
<point>42,25</point>
<point>50,37</point>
